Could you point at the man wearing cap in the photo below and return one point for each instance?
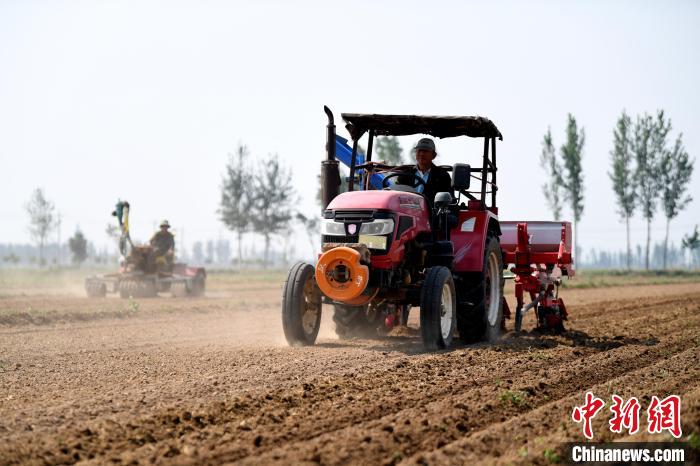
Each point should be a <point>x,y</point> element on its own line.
<point>436,179</point>
<point>164,242</point>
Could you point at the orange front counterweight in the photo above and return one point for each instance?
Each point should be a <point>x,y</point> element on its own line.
<point>340,275</point>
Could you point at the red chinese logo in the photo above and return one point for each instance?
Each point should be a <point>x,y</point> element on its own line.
<point>624,415</point>
<point>665,415</point>
<point>661,415</point>
<point>587,412</point>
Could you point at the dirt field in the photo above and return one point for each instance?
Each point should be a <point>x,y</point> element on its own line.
<point>210,381</point>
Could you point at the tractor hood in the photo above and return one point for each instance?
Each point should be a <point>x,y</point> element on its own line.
<point>394,201</point>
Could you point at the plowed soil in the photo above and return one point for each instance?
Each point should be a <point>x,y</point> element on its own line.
<point>211,381</point>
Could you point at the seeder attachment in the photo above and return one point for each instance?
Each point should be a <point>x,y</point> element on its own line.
<point>539,264</point>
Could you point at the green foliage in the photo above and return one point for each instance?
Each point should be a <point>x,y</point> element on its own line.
<point>646,173</point>
<point>692,243</point>
<point>514,397</point>
<point>694,441</point>
<point>236,195</point>
<point>572,173</point>
<point>551,456</point>
<point>78,247</point>
<point>648,146</point>
<point>42,219</point>
<point>388,150</point>
<point>622,170</point>
<point>676,171</point>
<point>274,199</point>
<point>133,305</point>
<point>552,189</point>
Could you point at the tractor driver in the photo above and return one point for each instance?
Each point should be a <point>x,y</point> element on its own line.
<point>163,243</point>
<point>436,179</point>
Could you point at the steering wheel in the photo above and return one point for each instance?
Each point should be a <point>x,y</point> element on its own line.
<point>397,174</point>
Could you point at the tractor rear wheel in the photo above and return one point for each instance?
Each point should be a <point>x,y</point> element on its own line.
<point>355,321</point>
<point>438,308</point>
<point>301,305</point>
<point>480,312</point>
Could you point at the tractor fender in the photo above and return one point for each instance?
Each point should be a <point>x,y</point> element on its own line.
<point>469,239</point>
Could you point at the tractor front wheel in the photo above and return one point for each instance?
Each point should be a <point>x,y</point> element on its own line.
<point>301,306</point>
<point>438,306</point>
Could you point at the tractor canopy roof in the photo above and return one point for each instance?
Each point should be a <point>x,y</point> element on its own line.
<point>437,126</point>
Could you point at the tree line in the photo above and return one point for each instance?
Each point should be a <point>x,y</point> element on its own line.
<point>678,256</point>
<point>648,168</point>
<point>45,220</point>
<point>259,198</point>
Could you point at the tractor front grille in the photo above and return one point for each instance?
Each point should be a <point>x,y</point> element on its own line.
<point>354,216</point>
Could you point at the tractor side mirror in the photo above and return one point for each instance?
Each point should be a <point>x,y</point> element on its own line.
<point>442,200</point>
<point>461,176</point>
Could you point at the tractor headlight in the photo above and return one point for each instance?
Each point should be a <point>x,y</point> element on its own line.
<point>379,226</point>
<point>332,228</point>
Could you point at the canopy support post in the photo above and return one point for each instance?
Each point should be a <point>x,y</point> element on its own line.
<point>353,161</point>
<point>494,186</point>
<point>484,171</point>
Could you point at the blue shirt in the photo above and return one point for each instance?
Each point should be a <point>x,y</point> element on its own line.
<point>424,177</point>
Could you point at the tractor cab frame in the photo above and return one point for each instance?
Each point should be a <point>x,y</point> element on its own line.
<point>402,125</point>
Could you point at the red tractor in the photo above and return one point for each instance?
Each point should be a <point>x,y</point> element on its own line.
<point>386,248</point>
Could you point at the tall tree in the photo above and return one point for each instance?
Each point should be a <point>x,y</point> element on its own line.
<point>236,199</point>
<point>621,175</point>
<point>274,199</point>
<point>648,146</point>
<point>572,172</point>
<point>78,247</point>
<point>388,150</point>
<point>676,171</point>
<point>552,188</point>
<point>42,219</point>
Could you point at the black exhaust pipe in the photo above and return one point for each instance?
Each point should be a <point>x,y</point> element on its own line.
<point>330,173</point>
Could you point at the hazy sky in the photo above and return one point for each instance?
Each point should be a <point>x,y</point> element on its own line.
<point>144,100</point>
